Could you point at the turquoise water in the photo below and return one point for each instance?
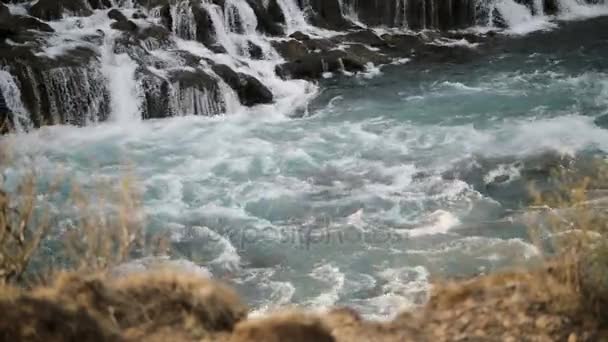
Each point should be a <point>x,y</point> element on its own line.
<point>385,181</point>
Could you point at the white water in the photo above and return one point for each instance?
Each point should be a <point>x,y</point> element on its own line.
<point>12,95</point>
<point>294,16</point>
<point>119,71</point>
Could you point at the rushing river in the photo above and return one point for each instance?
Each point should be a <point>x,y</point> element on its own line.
<point>384,181</point>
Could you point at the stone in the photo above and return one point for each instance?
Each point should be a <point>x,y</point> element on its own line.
<point>248,88</point>
<point>117,15</point>
<point>54,9</point>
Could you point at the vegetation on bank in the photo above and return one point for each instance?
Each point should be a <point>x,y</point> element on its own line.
<point>76,297</point>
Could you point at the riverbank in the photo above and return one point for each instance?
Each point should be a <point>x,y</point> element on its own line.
<point>525,305</point>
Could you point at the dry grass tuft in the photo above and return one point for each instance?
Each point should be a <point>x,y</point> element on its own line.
<point>33,319</point>
<point>278,327</point>
<point>22,230</point>
<point>149,304</point>
<point>572,229</point>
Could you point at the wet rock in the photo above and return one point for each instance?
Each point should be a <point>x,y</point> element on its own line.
<point>290,49</point>
<point>67,89</point>
<point>328,14</point>
<point>127,26</point>
<point>551,7</point>
<point>275,12</point>
<point>166,18</point>
<point>601,121</point>
<point>54,9</point>
<point>196,93</point>
<point>249,89</point>
<point>254,50</point>
<point>366,37</point>
<point>157,95</point>
<point>313,66</point>
<point>204,29</point>
<point>364,54</point>
<point>299,35</point>
<point>117,15</point>
<point>139,15</point>
<point>100,4</point>
<point>5,13</point>
<point>267,21</point>
<point>18,24</point>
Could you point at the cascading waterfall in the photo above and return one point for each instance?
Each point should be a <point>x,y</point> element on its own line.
<point>294,16</point>
<point>240,17</point>
<point>12,94</point>
<point>184,24</point>
<point>111,84</point>
<point>119,71</point>
<point>401,13</point>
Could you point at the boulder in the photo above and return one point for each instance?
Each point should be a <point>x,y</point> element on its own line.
<point>54,9</point>
<point>100,4</point>
<point>5,13</point>
<point>290,49</point>
<point>313,66</point>
<point>197,92</point>
<point>139,15</point>
<point>267,22</point>
<point>299,35</point>
<point>165,17</point>
<point>248,88</point>
<point>367,37</point>
<point>127,26</point>
<point>66,89</point>
<point>117,15</point>
<point>254,50</point>
<point>328,14</point>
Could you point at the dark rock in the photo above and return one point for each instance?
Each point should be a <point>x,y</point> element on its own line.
<point>551,7</point>
<point>23,23</point>
<point>5,13</point>
<point>299,35</point>
<point>100,4</point>
<point>364,55</point>
<point>166,18</point>
<point>127,26</point>
<point>267,23</point>
<point>328,14</point>
<point>275,12</point>
<point>139,15</point>
<point>366,37</point>
<point>183,80</point>
<point>254,50</point>
<point>601,121</point>
<point>290,49</point>
<point>68,89</point>
<point>53,9</point>
<point>312,66</point>
<point>157,95</point>
<point>204,28</point>
<point>117,15</point>
<point>249,89</point>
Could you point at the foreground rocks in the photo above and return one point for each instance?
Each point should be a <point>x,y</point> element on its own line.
<point>518,306</point>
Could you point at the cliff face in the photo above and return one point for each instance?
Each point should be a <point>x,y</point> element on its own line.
<point>84,61</point>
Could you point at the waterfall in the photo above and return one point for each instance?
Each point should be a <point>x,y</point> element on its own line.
<point>222,32</point>
<point>192,101</point>
<point>240,17</point>
<point>401,13</point>
<point>294,16</point>
<point>119,71</point>
<point>12,94</point>
<point>184,24</point>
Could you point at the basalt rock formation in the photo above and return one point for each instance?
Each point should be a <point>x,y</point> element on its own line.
<point>84,61</point>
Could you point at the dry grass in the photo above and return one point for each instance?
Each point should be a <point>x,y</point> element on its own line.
<point>288,326</point>
<point>571,230</point>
